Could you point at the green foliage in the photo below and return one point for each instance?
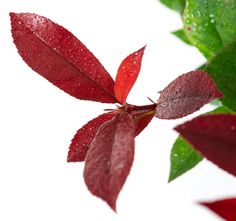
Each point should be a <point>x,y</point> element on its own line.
<point>177,5</point>
<point>222,68</point>
<point>210,24</point>
<point>183,157</point>
<point>222,109</point>
<point>181,35</point>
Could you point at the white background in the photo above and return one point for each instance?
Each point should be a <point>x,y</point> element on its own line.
<point>37,120</point>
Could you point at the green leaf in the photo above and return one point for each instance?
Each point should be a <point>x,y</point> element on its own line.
<point>181,35</point>
<point>222,109</point>
<point>222,68</point>
<point>210,24</point>
<point>202,67</point>
<point>183,156</point>
<point>216,103</point>
<point>177,5</point>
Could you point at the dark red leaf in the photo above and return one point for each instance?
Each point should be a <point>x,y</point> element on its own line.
<point>61,58</point>
<point>225,208</point>
<point>84,136</point>
<point>186,94</point>
<point>142,121</point>
<point>142,115</point>
<point>127,75</point>
<point>214,136</point>
<point>110,157</point>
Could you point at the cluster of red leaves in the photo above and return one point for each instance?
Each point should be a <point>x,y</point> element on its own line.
<point>106,143</point>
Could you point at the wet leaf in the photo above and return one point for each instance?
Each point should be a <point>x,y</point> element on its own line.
<point>214,137</point>
<point>110,157</point>
<point>183,158</point>
<point>186,94</point>
<point>209,24</point>
<point>84,136</point>
<point>127,75</point>
<point>61,58</point>
<point>225,208</point>
<point>222,69</point>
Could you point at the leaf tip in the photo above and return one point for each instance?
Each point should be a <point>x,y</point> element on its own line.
<point>12,14</point>
<point>112,205</point>
<point>170,179</point>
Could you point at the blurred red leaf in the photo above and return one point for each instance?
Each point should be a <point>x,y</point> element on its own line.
<point>127,74</point>
<point>84,136</point>
<point>110,157</point>
<point>214,136</point>
<point>186,94</point>
<point>225,208</point>
<point>61,58</point>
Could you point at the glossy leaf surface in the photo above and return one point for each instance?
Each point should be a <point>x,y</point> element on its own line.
<point>214,137</point>
<point>185,95</point>
<point>61,58</point>
<point>209,24</point>
<point>84,136</point>
<point>110,157</point>
<point>127,75</point>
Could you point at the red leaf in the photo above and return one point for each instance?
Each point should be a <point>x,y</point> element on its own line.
<point>225,208</point>
<point>214,137</point>
<point>61,58</point>
<point>142,115</point>
<point>84,136</point>
<point>127,75</point>
<point>110,157</point>
<point>186,94</point>
<point>141,122</point>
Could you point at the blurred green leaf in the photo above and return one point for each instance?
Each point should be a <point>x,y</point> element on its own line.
<point>222,68</point>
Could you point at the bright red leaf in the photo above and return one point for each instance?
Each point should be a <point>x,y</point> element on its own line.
<point>61,58</point>
<point>110,157</point>
<point>214,136</point>
<point>127,75</point>
<point>225,208</point>
<point>186,94</point>
<point>84,136</point>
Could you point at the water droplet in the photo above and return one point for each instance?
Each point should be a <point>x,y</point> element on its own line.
<point>188,21</point>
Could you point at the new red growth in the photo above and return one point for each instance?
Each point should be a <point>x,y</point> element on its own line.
<point>106,143</point>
